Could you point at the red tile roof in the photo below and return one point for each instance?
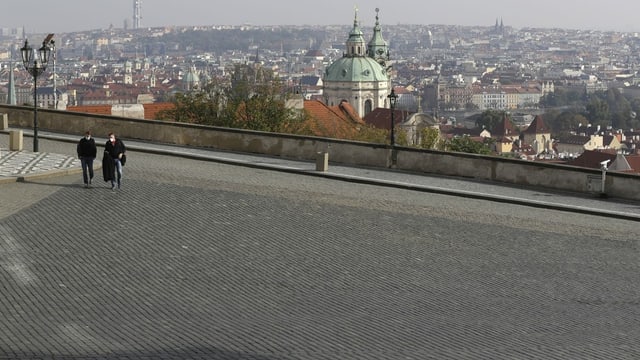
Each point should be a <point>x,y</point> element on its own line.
<point>537,126</point>
<point>339,121</point>
<point>504,128</point>
<point>592,159</point>
<point>381,118</point>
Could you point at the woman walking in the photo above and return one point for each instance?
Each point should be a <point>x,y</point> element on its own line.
<point>116,151</point>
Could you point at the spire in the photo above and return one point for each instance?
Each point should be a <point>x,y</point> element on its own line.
<point>355,43</point>
<point>377,47</point>
<point>11,96</point>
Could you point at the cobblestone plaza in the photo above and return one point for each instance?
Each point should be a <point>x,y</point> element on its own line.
<point>196,259</point>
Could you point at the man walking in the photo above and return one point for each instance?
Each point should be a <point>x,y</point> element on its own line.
<point>87,153</point>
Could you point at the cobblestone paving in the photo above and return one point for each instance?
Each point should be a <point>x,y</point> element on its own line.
<point>199,260</point>
<point>16,163</point>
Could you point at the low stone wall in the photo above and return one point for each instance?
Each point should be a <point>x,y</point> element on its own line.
<point>511,171</point>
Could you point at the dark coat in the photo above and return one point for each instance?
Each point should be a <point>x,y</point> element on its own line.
<point>108,167</point>
<point>116,149</point>
<point>87,148</point>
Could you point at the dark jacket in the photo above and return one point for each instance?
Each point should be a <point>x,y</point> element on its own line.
<point>108,167</point>
<point>116,149</point>
<point>87,148</point>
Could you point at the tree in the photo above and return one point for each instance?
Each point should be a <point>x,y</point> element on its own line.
<point>565,121</point>
<point>489,119</point>
<point>195,107</point>
<point>368,133</point>
<point>430,138</point>
<point>561,97</point>
<point>401,138</point>
<point>467,145</point>
<point>251,98</point>
<point>598,111</point>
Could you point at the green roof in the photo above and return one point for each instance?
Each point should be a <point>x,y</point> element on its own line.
<point>355,69</point>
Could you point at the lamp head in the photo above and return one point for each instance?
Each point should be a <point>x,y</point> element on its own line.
<point>27,54</point>
<point>392,98</point>
<point>44,53</point>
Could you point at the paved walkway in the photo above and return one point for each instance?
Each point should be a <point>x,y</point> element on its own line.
<point>16,165</point>
<point>25,165</point>
<point>197,259</point>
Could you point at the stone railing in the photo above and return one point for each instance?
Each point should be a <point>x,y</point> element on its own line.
<point>511,171</point>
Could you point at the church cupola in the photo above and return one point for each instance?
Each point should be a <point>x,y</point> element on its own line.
<point>356,43</point>
<point>378,48</point>
<point>358,78</point>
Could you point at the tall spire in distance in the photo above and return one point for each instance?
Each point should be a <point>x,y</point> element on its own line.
<point>11,96</point>
<point>137,13</point>
<point>377,47</point>
<point>355,43</point>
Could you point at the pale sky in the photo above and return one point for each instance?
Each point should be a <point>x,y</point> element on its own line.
<point>44,16</point>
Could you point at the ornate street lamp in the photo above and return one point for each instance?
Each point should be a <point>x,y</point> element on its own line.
<point>35,63</point>
<point>393,98</point>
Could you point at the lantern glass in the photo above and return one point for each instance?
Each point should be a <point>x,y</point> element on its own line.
<point>44,53</point>
<point>27,54</point>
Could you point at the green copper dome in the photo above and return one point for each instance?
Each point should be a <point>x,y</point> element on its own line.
<point>355,69</point>
<point>356,65</point>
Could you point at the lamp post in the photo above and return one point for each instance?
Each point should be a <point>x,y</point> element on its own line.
<point>392,101</point>
<point>35,63</point>
<point>55,91</point>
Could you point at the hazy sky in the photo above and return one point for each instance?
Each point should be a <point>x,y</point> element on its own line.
<point>41,16</point>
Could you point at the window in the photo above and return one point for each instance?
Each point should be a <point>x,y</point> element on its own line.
<point>368,106</point>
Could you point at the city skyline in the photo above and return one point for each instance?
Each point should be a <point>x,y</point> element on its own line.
<point>77,15</point>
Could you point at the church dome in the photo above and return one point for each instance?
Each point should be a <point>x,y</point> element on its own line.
<point>191,78</point>
<point>355,69</point>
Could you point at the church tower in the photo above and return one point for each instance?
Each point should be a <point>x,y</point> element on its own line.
<point>360,77</point>
<point>377,47</point>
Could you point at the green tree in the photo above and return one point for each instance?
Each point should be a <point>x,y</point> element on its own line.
<point>562,97</point>
<point>372,134</point>
<point>401,138</point>
<point>200,106</point>
<point>251,98</point>
<point>430,138</point>
<point>489,119</point>
<point>256,101</point>
<point>598,111</point>
<point>565,121</point>
<point>468,145</point>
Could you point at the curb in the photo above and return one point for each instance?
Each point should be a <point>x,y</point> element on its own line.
<point>48,174</point>
<point>360,180</point>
